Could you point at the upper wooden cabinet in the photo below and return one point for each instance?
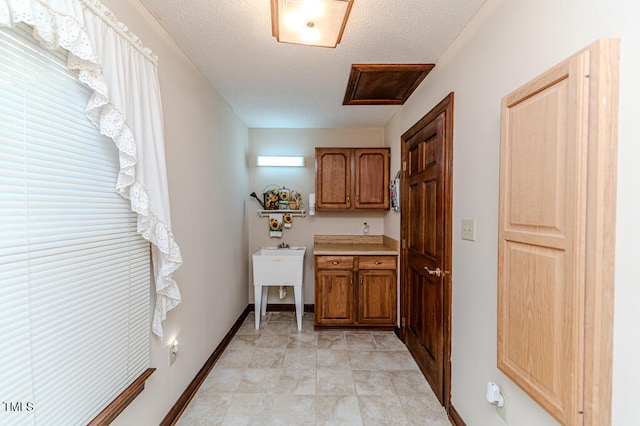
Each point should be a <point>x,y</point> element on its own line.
<point>371,178</point>
<point>352,178</point>
<point>333,178</point>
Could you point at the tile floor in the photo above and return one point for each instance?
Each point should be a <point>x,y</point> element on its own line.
<point>281,376</point>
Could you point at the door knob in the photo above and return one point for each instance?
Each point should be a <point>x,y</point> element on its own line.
<point>438,272</point>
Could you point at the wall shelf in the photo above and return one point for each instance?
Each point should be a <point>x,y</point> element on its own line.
<point>294,213</point>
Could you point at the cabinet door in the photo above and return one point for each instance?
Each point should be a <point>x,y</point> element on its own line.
<point>333,178</point>
<point>377,297</point>
<point>371,178</point>
<point>541,237</point>
<point>334,298</point>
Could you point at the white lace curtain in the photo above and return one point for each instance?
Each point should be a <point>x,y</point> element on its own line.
<point>125,106</point>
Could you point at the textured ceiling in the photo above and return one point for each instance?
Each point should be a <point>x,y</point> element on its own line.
<point>277,85</point>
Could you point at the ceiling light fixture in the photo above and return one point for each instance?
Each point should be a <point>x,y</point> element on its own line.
<point>310,22</point>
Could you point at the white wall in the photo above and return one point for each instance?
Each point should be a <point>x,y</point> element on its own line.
<point>302,142</point>
<point>206,146</point>
<point>506,44</point>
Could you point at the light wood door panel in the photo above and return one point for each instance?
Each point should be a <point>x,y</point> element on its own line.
<point>542,234</point>
<point>536,310</point>
<point>538,185</point>
<point>547,236</point>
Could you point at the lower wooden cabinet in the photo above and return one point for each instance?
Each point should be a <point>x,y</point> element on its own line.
<point>377,297</point>
<point>335,306</point>
<point>355,291</point>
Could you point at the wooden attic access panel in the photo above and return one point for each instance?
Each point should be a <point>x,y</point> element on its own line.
<point>383,84</point>
<point>557,174</point>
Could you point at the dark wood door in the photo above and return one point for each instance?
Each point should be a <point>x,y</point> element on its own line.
<point>426,256</point>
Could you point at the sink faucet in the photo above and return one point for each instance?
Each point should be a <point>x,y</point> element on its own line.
<point>283,246</point>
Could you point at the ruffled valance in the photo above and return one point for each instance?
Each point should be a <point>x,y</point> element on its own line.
<point>125,106</point>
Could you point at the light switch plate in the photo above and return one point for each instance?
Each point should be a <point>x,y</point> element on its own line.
<point>469,229</point>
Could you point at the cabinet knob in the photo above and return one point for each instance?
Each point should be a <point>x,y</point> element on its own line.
<point>377,262</point>
<point>335,262</point>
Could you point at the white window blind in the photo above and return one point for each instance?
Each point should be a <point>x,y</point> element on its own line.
<point>74,274</point>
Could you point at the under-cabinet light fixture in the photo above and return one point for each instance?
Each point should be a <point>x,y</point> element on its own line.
<point>310,22</point>
<point>279,161</point>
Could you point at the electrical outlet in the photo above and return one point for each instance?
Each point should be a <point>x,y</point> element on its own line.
<point>502,411</point>
<point>469,229</point>
<point>173,352</point>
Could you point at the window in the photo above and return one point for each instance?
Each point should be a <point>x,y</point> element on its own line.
<point>75,275</point>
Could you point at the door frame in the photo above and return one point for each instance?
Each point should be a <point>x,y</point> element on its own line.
<point>445,106</point>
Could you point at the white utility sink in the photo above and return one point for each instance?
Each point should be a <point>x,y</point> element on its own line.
<point>275,251</point>
<point>273,266</point>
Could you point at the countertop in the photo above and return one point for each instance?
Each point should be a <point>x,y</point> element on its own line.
<point>354,245</point>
